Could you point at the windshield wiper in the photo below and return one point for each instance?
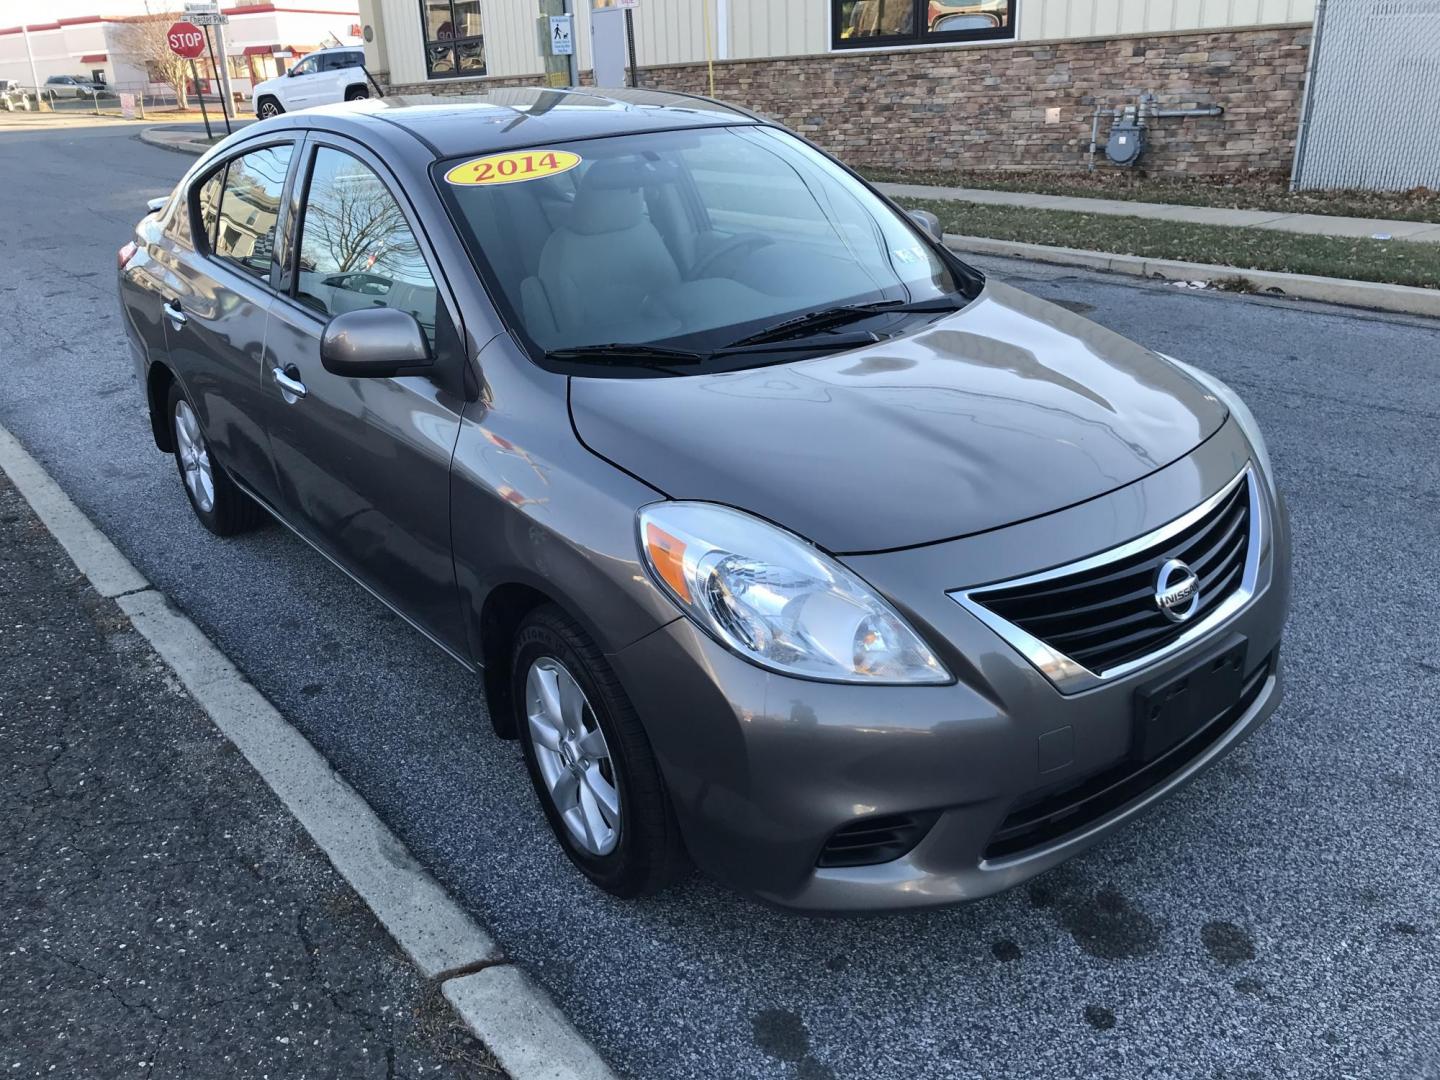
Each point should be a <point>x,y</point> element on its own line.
<point>835,316</point>
<point>622,353</point>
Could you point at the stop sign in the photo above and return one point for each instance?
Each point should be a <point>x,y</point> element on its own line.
<point>185,39</point>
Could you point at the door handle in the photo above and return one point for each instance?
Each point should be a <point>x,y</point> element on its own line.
<point>176,313</point>
<point>291,388</point>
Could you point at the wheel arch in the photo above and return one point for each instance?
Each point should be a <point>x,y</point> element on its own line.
<point>158,380</point>
<point>504,610</point>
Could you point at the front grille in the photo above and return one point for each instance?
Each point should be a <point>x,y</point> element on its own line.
<point>1069,809</point>
<point>1106,615</point>
<point>874,840</point>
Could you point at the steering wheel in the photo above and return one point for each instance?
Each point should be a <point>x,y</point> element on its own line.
<point>745,242</point>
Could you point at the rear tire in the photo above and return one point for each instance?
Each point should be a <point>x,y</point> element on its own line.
<point>219,504</point>
<point>357,93</point>
<point>639,850</point>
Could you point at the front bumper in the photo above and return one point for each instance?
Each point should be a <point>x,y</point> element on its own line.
<point>762,768</point>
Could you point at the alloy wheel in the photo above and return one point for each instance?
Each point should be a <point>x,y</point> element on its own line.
<point>194,457</point>
<point>269,109</point>
<point>573,757</point>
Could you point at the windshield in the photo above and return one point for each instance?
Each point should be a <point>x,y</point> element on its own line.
<point>689,240</point>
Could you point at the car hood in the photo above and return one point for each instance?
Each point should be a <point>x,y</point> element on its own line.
<point>1006,410</point>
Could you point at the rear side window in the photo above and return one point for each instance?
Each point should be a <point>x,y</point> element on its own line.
<point>250,209</point>
<point>336,61</point>
<point>356,248</point>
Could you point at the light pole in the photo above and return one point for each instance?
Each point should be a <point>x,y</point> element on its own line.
<point>29,55</point>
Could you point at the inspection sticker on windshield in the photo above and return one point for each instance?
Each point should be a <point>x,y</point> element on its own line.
<point>512,168</point>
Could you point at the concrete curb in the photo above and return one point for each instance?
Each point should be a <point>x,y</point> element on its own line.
<point>176,142</point>
<point>1403,299</point>
<point>498,1002</point>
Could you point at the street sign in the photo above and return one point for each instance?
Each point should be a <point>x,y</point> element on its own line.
<point>627,3</point>
<point>202,7</point>
<point>185,39</point>
<point>562,41</point>
<point>211,19</point>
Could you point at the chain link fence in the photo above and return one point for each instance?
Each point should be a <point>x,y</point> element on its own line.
<point>138,101</point>
<point>1373,97</point>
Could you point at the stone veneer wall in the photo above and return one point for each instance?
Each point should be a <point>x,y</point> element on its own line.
<point>985,107</point>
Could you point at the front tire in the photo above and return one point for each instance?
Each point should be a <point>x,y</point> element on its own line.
<point>590,760</point>
<point>267,108</point>
<point>219,504</point>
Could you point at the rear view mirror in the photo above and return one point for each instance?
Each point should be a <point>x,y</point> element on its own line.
<point>373,343</point>
<point>930,223</point>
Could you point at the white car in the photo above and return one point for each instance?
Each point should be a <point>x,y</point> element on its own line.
<point>323,77</point>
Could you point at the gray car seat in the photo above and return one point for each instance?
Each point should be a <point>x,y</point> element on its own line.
<point>595,271</point>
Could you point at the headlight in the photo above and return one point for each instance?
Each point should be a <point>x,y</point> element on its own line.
<point>1238,409</point>
<point>778,600</point>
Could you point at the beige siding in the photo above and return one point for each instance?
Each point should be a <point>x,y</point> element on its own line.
<point>403,39</point>
<point>768,28</point>
<point>1089,18</point>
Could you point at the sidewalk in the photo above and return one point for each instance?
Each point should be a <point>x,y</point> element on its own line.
<point>160,913</point>
<point>1425,232</point>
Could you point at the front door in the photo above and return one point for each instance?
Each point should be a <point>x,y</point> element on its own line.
<point>363,465</point>
<point>216,301</point>
<point>305,85</point>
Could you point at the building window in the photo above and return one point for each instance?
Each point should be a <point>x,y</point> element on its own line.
<point>454,44</point>
<point>868,24</point>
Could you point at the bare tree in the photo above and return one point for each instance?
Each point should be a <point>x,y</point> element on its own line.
<point>143,42</point>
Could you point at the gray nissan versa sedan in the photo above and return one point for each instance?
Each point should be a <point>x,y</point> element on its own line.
<point>786,542</point>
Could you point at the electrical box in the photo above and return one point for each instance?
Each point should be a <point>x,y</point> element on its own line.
<point>1127,141</point>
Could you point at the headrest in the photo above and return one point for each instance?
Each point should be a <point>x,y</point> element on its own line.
<point>610,197</point>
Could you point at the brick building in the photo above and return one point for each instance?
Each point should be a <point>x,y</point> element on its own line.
<point>962,83</point>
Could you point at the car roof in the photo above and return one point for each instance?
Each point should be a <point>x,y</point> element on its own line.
<point>508,118</point>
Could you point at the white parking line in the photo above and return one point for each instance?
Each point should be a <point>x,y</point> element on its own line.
<point>504,1008</point>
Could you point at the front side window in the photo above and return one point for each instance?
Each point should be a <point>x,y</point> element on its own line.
<point>861,24</point>
<point>357,249</point>
<point>250,209</point>
<point>693,240</point>
<point>308,66</point>
<point>454,40</point>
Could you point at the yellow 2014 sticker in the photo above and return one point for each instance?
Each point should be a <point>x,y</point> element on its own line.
<point>512,168</point>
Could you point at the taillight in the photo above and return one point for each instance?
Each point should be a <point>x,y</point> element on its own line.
<point>126,254</point>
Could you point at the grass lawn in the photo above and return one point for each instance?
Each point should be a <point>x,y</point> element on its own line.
<point>1249,193</point>
<point>1391,261</point>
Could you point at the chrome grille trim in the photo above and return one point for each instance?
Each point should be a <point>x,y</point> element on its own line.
<point>1071,677</point>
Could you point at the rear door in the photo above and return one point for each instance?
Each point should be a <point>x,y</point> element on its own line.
<point>363,465</point>
<point>216,302</point>
<point>339,69</point>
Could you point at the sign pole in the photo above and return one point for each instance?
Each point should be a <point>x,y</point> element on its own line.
<point>195,78</point>
<point>224,111</point>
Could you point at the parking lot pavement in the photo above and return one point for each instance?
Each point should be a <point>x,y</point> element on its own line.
<point>160,913</point>
<point>1277,919</point>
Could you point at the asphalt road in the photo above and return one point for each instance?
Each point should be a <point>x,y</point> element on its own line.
<point>161,913</point>
<point>1279,918</point>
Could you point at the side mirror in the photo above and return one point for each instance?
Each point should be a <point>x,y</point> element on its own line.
<point>373,343</point>
<point>930,223</point>
<point>157,204</point>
